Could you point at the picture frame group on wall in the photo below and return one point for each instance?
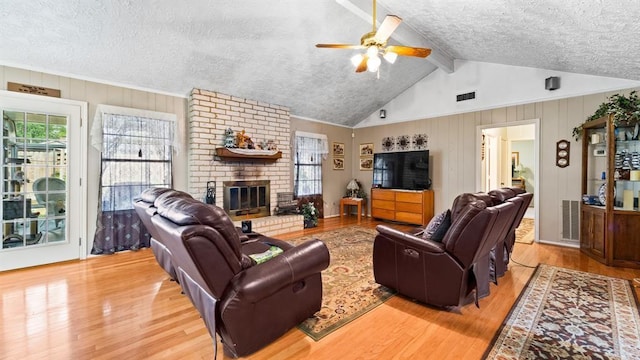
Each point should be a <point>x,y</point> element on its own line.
<point>338,155</point>
<point>366,156</point>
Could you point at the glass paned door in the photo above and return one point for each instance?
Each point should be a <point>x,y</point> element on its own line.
<point>34,175</point>
<point>38,197</point>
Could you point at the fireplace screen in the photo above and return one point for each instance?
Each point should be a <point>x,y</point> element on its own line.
<point>246,199</point>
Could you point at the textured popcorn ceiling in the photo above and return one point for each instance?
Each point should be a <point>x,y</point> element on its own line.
<point>264,49</point>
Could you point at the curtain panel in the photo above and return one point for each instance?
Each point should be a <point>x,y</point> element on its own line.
<point>310,150</point>
<point>136,153</point>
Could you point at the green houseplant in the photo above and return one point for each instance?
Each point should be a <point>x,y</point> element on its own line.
<point>625,110</point>
<point>310,214</point>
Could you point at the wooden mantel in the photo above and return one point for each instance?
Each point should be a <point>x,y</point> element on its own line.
<point>228,155</point>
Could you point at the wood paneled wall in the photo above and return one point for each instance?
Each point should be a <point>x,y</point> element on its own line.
<point>96,93</point>
<point>452,143</point>
<point>334,182</point>
<point>454,157</point>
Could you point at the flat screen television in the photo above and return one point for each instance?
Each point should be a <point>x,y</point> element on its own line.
<point>407,170</point>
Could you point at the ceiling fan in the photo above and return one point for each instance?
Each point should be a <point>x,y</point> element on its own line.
<point>375,43</point>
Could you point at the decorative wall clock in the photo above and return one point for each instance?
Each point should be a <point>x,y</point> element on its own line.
<point>562,153</point>
<point>403,142</point>
<point>420,141</point>
<point>388,143</point>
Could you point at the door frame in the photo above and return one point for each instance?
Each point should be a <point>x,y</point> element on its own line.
<point>536,150</point>
<point>81,204</point>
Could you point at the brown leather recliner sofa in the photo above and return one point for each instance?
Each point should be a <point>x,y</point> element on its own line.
<point>455,270</point>
<point>502,253</point>
<point>436,273</point>
<point>248,304</point>
<point>144,204</point>
<point>145,208</point>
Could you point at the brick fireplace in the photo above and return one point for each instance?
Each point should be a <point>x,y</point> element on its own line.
<point>210,114</point>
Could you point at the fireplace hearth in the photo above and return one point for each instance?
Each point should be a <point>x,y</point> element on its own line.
<point>246,199</point>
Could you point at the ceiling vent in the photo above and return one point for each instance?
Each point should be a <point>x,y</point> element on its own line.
<point>467,96</point>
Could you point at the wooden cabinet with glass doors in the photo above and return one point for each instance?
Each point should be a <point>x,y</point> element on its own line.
<point>34,171</point>
<point>609,215</point>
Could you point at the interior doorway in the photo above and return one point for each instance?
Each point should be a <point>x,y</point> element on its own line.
<point>509,156</point>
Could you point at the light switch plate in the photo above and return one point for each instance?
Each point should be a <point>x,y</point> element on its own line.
<point>599,152</point>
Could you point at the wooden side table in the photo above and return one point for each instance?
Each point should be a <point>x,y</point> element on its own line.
<point>359,202</point>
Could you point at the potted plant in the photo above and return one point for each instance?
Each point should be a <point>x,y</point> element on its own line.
<point>625,110</point>
<point>310,214</point>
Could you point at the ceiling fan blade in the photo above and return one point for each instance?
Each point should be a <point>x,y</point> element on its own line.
<point>387,27</point>
<point>409,51</point>
<point>363,64</point>
<point>340,46</point>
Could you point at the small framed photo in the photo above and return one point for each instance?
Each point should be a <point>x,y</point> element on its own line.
<point>338,149</point>
<point>338,163</point>
<point>515,158</point>
<point>366,163</point>
<point>366,149</point>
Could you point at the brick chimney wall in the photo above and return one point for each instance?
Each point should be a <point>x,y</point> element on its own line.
<point>210,114</point>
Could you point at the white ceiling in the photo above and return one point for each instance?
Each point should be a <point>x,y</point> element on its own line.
<point>264,50</point>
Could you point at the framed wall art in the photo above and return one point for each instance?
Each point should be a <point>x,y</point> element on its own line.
<point>515,159</point>
<point>366,163</point>
<point>366,149</point>
<point>338,149</point>
<point>388,143</point>
<point>419,141</point>
<point>338,163</point>
<point>403,142</point>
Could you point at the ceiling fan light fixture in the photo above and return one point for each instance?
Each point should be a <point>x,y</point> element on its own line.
<point>356,59</point>
<point>390,56</point>
<point>373,63</point>
<point>375,43</point>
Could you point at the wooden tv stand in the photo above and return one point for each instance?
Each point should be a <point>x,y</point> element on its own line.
<point>408,206</point>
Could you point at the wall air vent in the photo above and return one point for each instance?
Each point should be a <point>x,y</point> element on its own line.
<point>467,96</point>
<point>570,220</point>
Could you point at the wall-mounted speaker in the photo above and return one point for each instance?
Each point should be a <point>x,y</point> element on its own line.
<point>383,113</point>
<point>552,83</point>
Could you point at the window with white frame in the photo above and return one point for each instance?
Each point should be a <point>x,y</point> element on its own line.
<point>136,154</point>
<point>310,149</point>
<point>136,147</point>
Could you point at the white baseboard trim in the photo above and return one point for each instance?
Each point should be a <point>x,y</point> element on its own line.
<point>575,245</point>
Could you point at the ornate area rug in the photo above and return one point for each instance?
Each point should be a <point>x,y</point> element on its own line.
<point>565,313</point>
<point>348,289</point>
<point>525,232</point>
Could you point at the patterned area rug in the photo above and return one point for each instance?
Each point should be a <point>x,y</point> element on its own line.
<point>348,289</point>
<point>570,314</point>
<point>525,232</point>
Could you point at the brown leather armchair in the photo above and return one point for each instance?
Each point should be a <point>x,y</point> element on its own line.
<point>249,305</point>
<point>437,273</point>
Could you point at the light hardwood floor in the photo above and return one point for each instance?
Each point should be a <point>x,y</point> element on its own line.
<point>123,306</point>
